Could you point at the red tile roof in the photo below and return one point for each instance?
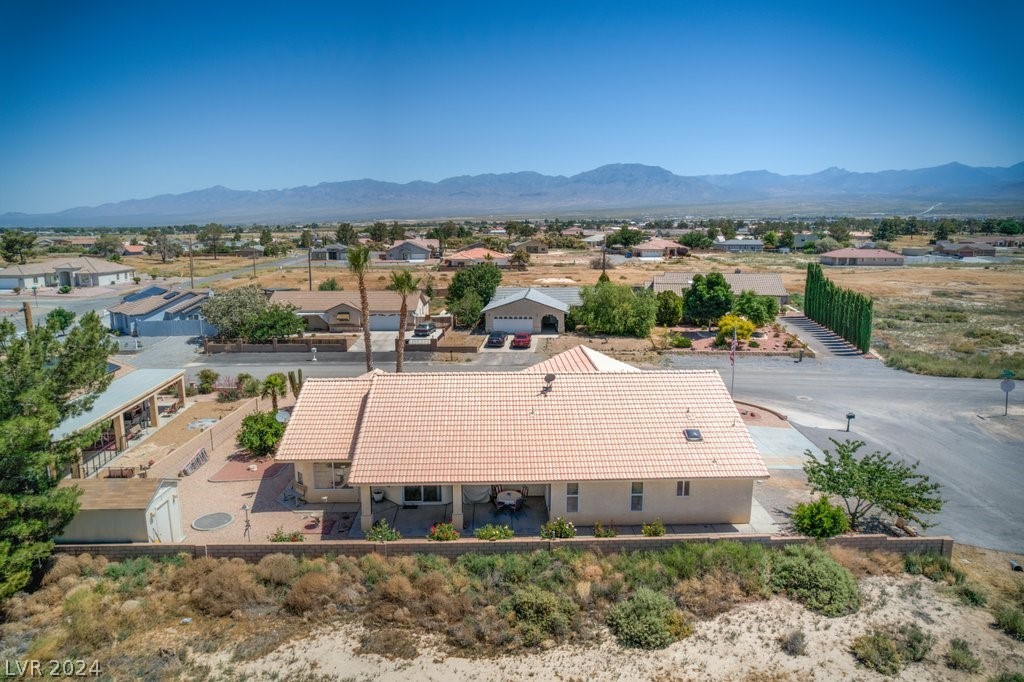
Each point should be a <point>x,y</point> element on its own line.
<point>324,420</point>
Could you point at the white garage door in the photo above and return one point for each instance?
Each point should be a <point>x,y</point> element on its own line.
<point>384,323</point>
<point>512,324</point>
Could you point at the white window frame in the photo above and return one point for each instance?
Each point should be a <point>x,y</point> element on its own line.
<point>337,469</point>
<point>633,495</point>
<point>572,494</point>
<point>682,488</point>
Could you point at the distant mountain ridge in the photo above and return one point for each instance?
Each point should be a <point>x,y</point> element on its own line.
<point>623,188</point>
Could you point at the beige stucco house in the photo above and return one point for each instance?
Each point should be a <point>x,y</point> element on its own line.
<point>470,257</point>
<point>72,272</point>
<point>870,257</point>
<point>340,311</point>
<point>590,443</point>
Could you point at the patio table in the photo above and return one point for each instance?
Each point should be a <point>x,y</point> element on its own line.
<point>508,498</point>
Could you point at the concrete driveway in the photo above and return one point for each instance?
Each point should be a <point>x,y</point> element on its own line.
<point>380,342</point>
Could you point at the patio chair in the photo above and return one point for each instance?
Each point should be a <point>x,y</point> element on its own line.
<point>519,504</point>
<point>526,492</point>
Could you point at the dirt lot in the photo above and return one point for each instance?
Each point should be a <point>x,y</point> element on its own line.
<point>176,432</point>
<point>202,265</point>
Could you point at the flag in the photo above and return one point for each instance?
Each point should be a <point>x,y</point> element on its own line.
<point>732,348</point>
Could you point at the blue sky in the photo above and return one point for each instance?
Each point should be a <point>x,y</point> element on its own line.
<point>106,101</point>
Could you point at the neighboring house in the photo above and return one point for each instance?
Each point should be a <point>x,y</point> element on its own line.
<point>412,250</point>
<point>470,257</point>
<point>572,232</point>
<point>802,239</point>
<point>739,245</point>
<point>330,252</point>
<point>1001,240</point>
<point>529,246</point>
<point>163,313</point>
<point>761,283</point>
<point>850,256</point>
<point>620,447</point>
<point>595,239</point>
<point>133,250</point>
<point>254,250</point>
<point>964,249</point>
<point>73,272</point>
<point>657,248</point>
<point>339,311</point>
<point>526,310</point>
<point>125,510</point>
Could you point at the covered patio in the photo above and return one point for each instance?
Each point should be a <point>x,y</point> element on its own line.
<point>415,521</point>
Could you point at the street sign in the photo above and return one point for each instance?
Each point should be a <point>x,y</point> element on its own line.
<point>1006,385</point>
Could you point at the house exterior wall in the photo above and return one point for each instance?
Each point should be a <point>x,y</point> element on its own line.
<point>107,525</point>
<point>710,501</point>
<point>524,308</point>
<point>406,252</point>
<point>112,278</point>
<point>26,281</point>
<point>304,484</point>
<point>861,260</point>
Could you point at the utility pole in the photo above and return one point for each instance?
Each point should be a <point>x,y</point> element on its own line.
<point>27,308</point>
<point>191,269</point>
<point>253,260</point>
<point>309,259</point>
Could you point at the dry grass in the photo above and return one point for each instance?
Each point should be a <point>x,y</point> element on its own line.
<point>278,569</point>
<point>864,564</point>
<point>202,265</point>
<point>312,592</point>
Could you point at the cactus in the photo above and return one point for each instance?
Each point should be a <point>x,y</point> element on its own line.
<point>293,383</point>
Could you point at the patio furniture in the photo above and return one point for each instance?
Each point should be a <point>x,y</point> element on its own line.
<point>508,499</point>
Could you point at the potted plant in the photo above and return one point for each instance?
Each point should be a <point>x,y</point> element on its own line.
<point>378,495</point>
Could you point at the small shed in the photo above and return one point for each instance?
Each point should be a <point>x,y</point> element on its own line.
<point>125,510</point>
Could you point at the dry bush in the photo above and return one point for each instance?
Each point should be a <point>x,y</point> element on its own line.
<point>430,583</point>
<point>278,569</point>
<point>349,569</point>
<point>395,589</point>
<point>312,592</point>
<point>87,620</point>
<point>190,575</point>
<point>710,595</point>
<point>867,563</point>
<point>389,643</point>
<point>227,588</point>
<point>64,565</point>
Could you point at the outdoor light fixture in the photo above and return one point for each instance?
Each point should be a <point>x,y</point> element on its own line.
<point>849,417</point>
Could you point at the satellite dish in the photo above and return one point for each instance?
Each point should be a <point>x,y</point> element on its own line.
<point>283,416</point>
<point>548,378</point>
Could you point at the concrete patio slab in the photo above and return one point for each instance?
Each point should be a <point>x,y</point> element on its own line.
<point>782,448</point>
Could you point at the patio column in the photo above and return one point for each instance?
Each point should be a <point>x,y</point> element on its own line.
<point>154,412</point>
<point>180,386</point>
<point>365,508</point>
<point>458,520</point>
<point>119,442</point>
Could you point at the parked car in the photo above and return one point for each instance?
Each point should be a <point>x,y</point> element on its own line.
<point>424,329</point>
<point>496,340</point>
<point>521,340</point>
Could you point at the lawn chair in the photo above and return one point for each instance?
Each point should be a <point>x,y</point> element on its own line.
<point>525,491</point>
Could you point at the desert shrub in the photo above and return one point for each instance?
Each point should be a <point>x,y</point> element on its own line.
<point>680,341</point>
<point>64,289</point>
<point>311,592</point>
<point>820,519</point>
<point>877,651</point>
<point>539,614</point>
<point>86,620</point>
<point>648,620</point>
<point>867,563</point>
<point>130,574</point>
<point>278,569</point>
<point>281,535</point>
<point>229,395</point>
<point>382,532</point>
<point>935,567</point>
<point>794,643</point>
<point>971,594</point>
<point>808,575</point>
<point>557,528</point>
<point>914,643</point>
<point>754,344</point>
<point>1007,677</point>
<point>397,589</point>
<point>603,531</point>
<point>443,532</point>
<point>960,657</point>
<point>207,378</point>
<point>1011,621</point>
<point>494,532</point>
<point>653,529</point>
<point>388,642</point>
<point>712,594</point>
<point>63,566</point>
<point>228,588</point>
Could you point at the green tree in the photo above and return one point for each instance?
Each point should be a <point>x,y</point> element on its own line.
<point>161,244</point>
<point>16,245</point>
<point>707,299</point>
<point>875,481</point>
<point>234,311</point>
<point>482,278</point>
<point>626,236</point>
<point>212,235</point>
<point>359,263</point>
<point>60,318</point>
<point>275,386</point>
<point>260,433</point>
<point>617,309</point>
<point>275,321</point>
<point>329,284</point>
<point>520,259</point>
<point>266,238</point>
<point>760,310</point>
<point>396,232</point>
<point>888,229</point>
<point>670,308</point>
<point>771,239</point>
<point>840,232</point>
<point>405,285</point>
<point>467,309</point>
<point>826,244</point>
<point>379,231</point>
<point>306,239</point>
<point>43,381</point>
<point>108,244</point>
<point>787,239</point>
<point>695,240</point>
<point>743,328</point>
<point>345,234</point>
<point>944,230</point>
<point>237,236</point>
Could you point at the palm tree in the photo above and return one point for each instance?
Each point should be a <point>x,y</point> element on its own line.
<point>359,263</point>
<point>275,385</point>
<point>405,284</point>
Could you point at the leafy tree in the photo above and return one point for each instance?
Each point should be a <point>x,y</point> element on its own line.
<point>15,245</point>
<point>887,230</point>
<point>379,231</point>
<point>275,321</point>
<point>43,381</point>
<point>875,481</point>
<point>520,259</point>
<point>329,284</point>
<point>727,323</point>
<point>787,239</point>
<point>758,309</point>
<point>604,278</point>
<point>275,386</point>
<point>670,308</point>
<point>207,378</point>
<point>237,236</point>
<point>626,236</point>
<point>467,309</point>
<point>771,239</point>
<point>840,232</point>
<point>482,278</point>
<point>306,239</point>
<point>359,263</point>
<point>695,240</point>
<point>345,234</point>
<point>260,433</point>
<point>160,243</point>
<point>108,244</point>
<point>944,230</point>
<point>266,238</point>
<point>405,285</point>
<point>212,235</point>
<point>826,244</point>
<point>233,311</point>
<point>60,318</point>
<point>617,309</point>
<point>396,232</point>
<point>707,299</point>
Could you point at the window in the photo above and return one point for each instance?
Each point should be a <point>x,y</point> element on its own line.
<point>298,477</point>
<point>329,475</point>
<point>636,496</point>
<point>344,317</point>
<point>682,488</point>
<point>422,493</point>
<point>572,497</point>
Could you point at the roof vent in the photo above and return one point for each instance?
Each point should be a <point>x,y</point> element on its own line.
<point>693,435</point>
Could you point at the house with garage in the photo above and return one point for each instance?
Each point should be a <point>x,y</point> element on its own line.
<point>657,248</point>
<point>251,251</point>
<point>133,250</point>
<point>412,250</point>
<point>615,447</point>
<point>964,249</point>
<point>529,246</point>
<point>861,257</point>
<point>163,313</point>
<point>739,245</point>
<point>72,272</point>
<point>530,309</point>
<point>125,510</point>
<point>340,311</point>
<point>330,252</point>
<point>761,283</point>
<point>470,257</point>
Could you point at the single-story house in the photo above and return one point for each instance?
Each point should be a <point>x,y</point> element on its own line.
<point>125,510</point>
<point>802,239</point>
<point>164,313</point>
<point>330,252</point>
<point>761,283</point>
<point>595,239</point>
<point>658,248</point>
<point>525,310</point>
<point>1003,240</point>
<point>133,250</point>
<point>964,249</point>
<point>251,251</point>
<point>574,231</point>
<point>340,311</point>
<point>469,257</point>
<point>412,250</point>
<point>529,246</point>
<point>594,446</point>
<point>73,272</point>
<point>739,245</point>
<point>579,359</point>
<point>850,256</point>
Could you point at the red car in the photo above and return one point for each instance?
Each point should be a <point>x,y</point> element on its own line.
<point>521,340</point>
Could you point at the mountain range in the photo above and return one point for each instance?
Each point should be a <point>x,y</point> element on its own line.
<point>616,189</point>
